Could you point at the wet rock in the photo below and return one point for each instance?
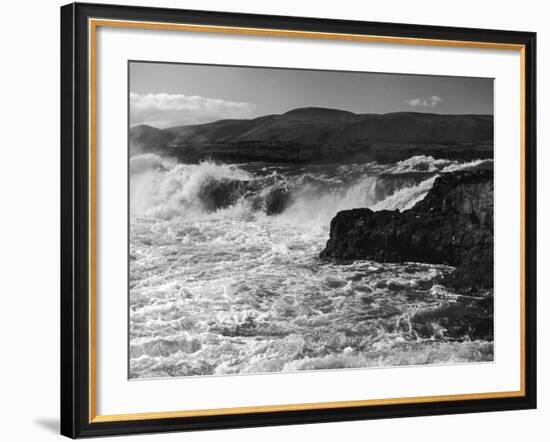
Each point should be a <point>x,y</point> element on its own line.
<point>220,194</point>
<point>452,225</point>
<point>215,194</point>
<point>277,200</point>
<point>465,319</point>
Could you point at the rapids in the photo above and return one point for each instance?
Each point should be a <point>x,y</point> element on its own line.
<point>225,276</point>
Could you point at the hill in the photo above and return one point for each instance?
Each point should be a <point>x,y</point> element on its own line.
<point>320,134</point>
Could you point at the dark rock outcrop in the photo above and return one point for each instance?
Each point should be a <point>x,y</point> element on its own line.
<point>219,194</point>
<point>472,318</point>
<point>452,225</point>
<point>265,195</point>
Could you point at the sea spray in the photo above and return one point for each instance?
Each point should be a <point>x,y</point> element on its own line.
<point>165,190</point>
<point>161,188</point>
<point>226,287</point>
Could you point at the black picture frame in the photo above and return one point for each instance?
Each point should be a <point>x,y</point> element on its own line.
<point>75,220</point>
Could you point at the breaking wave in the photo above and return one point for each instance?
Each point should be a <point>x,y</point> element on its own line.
<point>224,274</point>
<point>164,189</point>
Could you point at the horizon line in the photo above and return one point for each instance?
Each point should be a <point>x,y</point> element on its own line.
<point>314,108</point>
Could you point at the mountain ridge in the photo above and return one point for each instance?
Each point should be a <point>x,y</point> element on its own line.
<point>315,133</point>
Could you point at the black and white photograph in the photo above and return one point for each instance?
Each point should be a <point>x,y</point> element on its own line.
<point>287,219</point>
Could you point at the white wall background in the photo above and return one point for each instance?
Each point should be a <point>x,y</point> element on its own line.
<point>29,221</point>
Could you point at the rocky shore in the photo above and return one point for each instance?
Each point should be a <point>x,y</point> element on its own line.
<point>452,225</point>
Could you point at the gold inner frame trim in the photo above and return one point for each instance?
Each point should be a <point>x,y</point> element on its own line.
<point>93,24</point>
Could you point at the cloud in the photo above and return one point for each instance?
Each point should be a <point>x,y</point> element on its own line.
<point>432,101</point>
<point>168,110</point>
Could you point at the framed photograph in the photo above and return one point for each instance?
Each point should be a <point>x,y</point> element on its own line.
<point>276,220</point>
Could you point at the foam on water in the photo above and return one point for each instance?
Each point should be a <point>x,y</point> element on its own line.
<point>227,288</point>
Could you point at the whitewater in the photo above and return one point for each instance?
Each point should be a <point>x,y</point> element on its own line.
<point>225,275</point>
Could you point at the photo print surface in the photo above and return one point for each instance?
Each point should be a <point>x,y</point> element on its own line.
<point>288,219</point>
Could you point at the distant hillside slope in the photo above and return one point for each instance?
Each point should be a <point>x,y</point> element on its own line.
<point>145,138</point>
<point>314,133</point>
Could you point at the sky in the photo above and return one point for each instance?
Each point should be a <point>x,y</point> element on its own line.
<point>173,94</point>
